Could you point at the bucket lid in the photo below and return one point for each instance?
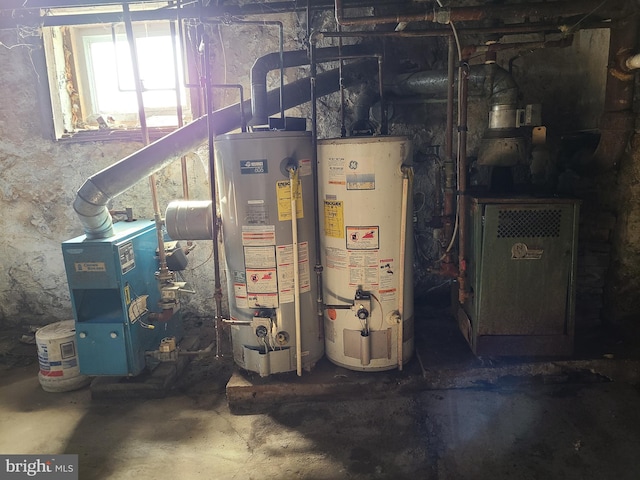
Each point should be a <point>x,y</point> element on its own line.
<point>56,330</point>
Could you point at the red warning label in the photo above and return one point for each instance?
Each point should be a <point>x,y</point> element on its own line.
<point>363,238</point>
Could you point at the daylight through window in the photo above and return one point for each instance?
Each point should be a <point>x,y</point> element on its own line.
<point>92,83</point>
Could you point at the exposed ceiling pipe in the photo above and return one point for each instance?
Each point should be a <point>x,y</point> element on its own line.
<point>563,42</point>
<point>245,9</point>
<point>517,28</point>
<point>477,13</point>
<point>295,58</point>
<point>28,13</point>
<point>98,190</point>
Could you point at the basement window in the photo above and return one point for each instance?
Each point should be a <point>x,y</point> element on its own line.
<point>92,86</point>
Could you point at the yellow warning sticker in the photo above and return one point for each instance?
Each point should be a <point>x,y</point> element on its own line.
<point>283,192</point>
<point>334,218</point>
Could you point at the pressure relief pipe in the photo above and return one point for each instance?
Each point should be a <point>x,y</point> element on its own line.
<point>407,175</point>
<point>313,89</point>
<point>293,184</point>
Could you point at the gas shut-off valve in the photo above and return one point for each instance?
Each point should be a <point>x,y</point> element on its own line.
<point>262,321</point>
<point>362,305</point>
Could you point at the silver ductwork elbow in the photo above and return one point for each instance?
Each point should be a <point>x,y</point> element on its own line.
<point>90,205</point>
<point>504,90</point>
<point>503,145</point>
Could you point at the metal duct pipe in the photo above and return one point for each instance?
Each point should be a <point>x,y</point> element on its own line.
<point>501,84</point>
<point>295,58</point>
<point>94,195</point>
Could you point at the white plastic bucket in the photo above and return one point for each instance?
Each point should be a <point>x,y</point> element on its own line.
<point>58,358</point>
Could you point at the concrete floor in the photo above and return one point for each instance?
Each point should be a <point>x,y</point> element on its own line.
<point>574,428</point>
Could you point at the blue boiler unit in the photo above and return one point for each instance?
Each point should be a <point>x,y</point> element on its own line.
<point>114,293</point>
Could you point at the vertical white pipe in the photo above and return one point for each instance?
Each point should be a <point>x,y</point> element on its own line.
<point>293,183</point>
<point>365,349</point>
<point>403,243</point>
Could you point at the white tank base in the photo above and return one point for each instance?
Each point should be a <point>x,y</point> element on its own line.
<point>375,352</point>
<point>371,367</point>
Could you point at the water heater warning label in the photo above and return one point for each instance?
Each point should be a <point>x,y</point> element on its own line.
<point>262,280</point>
<point>334,218</point>
<point>285,271</point>
<point>259,257</point>
<point>258,235</point>
<point>283,192</point>
<point>364,269</point>
<point>363,238</point>
<point>262,287</point>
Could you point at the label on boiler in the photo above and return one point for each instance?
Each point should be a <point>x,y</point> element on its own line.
<point>90,267</point>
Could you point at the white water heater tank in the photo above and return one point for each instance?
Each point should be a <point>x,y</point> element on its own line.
<point>367,251</point>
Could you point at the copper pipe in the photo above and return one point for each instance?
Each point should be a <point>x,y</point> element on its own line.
<point>217,294</point>
<point>465,14</point>
<point>618,120</point>
<point>449,193</point>
<point>463,287</point>
<point>498,47</point>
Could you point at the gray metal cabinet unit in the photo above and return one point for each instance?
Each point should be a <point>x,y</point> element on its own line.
<point>522,269</point>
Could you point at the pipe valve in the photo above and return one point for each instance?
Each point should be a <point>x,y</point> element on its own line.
<point>362,312</point>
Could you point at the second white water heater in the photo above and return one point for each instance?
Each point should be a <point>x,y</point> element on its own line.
<point>366,236</point>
